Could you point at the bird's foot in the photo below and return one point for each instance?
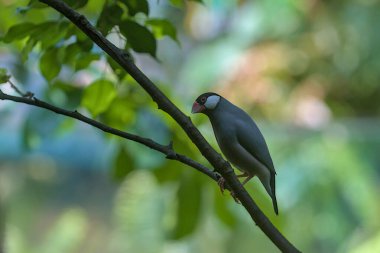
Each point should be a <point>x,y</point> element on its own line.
<point>221,183</point>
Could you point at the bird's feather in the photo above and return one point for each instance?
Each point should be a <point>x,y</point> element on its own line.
<point>250,137</point>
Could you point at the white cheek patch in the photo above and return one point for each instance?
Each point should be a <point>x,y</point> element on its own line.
<point>212,102</point>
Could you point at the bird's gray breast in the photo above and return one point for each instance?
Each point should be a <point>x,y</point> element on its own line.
<point>226,136</point>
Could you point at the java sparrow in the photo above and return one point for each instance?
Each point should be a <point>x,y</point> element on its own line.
<point>239,139</point>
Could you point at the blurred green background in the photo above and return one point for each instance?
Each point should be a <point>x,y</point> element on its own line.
<point>308,72</point>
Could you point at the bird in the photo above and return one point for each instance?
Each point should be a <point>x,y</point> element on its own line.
<point>240,140</point>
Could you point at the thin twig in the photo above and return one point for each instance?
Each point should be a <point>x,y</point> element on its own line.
<point>167,150</point>
<point>17,90</point>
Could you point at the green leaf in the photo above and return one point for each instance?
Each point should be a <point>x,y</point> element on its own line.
<point>162,27</point>
<point>123,164</point>
<point>27,49</point>
<point>85,60</point>
<point>109,17</point>
<point>50,65</point>
<point>18,32</point>
<point>86,44</point>
<point>189,203</point>
<point>98,96</point>
<point>49,33</point>
<point>177,3</point>
<point>71,54</point>
<point>4,77</point>
<point>139,37</point>
<point>76,58</point>
<point>136,6</point>
<point>121,113</point>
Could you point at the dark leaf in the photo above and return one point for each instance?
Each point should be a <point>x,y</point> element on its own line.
<point>76,4</point>
<point>139,37</point>
<point>86,44</point>
<point>109,17</point>
<point>136,6</point>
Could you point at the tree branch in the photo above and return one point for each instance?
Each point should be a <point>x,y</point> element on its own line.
<point>167,150</point>
<point>222,166</point>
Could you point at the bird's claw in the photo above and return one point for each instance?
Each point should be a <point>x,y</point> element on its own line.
<point>221,183</point>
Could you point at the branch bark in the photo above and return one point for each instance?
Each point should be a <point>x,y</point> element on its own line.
<point>222,166</point>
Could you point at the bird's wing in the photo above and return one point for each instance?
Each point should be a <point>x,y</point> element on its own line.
<point>251,139</point>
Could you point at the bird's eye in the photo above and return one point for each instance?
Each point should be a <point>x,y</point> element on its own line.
<point>203,99</point>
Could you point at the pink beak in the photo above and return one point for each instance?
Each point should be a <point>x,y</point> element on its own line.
<point>197,108</point>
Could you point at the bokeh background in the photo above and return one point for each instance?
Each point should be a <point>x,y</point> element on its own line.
<point>308,72</point>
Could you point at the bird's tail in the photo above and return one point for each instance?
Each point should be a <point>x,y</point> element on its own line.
<point>273,190</point>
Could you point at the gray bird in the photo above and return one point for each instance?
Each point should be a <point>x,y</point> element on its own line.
<point>239,139</point>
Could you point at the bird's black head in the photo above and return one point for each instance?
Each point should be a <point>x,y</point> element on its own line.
<point>206,102</point>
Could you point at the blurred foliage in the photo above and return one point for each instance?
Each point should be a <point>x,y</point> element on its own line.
<point>4,77</point>
<point>311,68</point>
